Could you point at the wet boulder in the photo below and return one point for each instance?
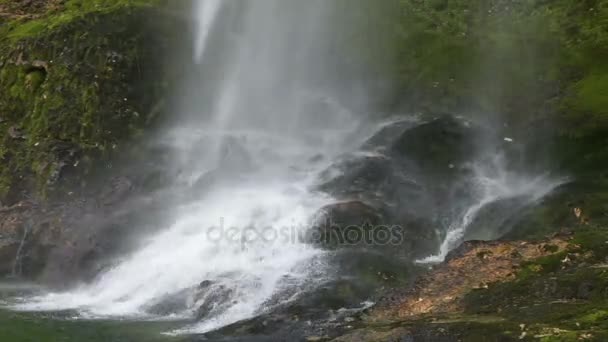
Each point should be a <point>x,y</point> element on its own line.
<point>388,134</point>
<point>212,300</point>
<point>497,219</point>
<point>358,174</point>
<point>359,225</point>
<point>116,191</point>
<point>379,180</point>
<point>346,223</point>
<point>408,170</point>
<point>409,176</point>
<point>439,146</point>
<point>171,304</point>
<point>352,213</point>
<point>58,243</point>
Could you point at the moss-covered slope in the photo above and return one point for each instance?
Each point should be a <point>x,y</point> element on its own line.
<point>78,79</point>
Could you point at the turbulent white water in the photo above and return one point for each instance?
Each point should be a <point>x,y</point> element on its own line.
<point>492,183</point>
<point>250,148</point>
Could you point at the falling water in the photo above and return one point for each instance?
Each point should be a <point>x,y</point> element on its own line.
<point>249,148</point>
<point>492,182</point>
<point>207,13</point>
<point>250,156</point>
<point>18,264</point>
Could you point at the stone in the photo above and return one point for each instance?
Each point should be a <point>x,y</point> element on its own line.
<point>213,300</point>
<point>434,145</point>
<point>118,190</point>
<point>15,133</point>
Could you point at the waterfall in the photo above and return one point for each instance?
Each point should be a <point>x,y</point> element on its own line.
<point>269,109</point>
<point>207,12</point>
<point>234,251</point>
<point>492,182</point>
<point>18,264</point>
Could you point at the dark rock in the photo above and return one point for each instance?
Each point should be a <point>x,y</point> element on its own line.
<point>15,133</point>
<point>205,284</point>
<point>408,162</point>
<point>365,174</point>
<point>8,252</point>
<point>118,190</point>
<point>170,305</point>
<point>74,240</point>
<point>353,213</point>
<point>586,290</point>
<point>497,219</point>
<point>387,135</point>
<point>410,176</point>
<point>213,300</point>
<point>378,180</point>
<point>25,240</point>
<point>435,146</point>
<point>346,224</point>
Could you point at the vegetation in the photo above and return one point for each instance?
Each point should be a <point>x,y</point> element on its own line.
<point>506,56</point>
<point>561,297</point>
<point>78,79</point>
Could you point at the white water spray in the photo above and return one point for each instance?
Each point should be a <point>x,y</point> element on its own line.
<point>492,183</point>
<point>233,247</point>
<point>207,12</point>
<point>253,154</point>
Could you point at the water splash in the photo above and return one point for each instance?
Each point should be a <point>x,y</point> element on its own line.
<point>493,182</point>
<point>232,251</point>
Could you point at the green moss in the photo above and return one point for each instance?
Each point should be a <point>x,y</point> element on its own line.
<point>591,95</point>
<point>72,81</point>
<point>562,296</point>
<point>22,327</point>
<point>526,62</point>
<point>72,10</point>
<point>34,79</point>
<point>593,240</point>
<point>477,54</point>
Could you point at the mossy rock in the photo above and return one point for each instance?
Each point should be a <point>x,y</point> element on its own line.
<point>79,80</point>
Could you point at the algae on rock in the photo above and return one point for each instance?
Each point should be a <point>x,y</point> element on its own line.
<point>79,79</point>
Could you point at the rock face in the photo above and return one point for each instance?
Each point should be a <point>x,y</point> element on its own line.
<point>80,82</point>
<point>24,245</point>
<point>75,240</point>
<point>406,175</point>
<point>346,223</point>
<point>70,101</point>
